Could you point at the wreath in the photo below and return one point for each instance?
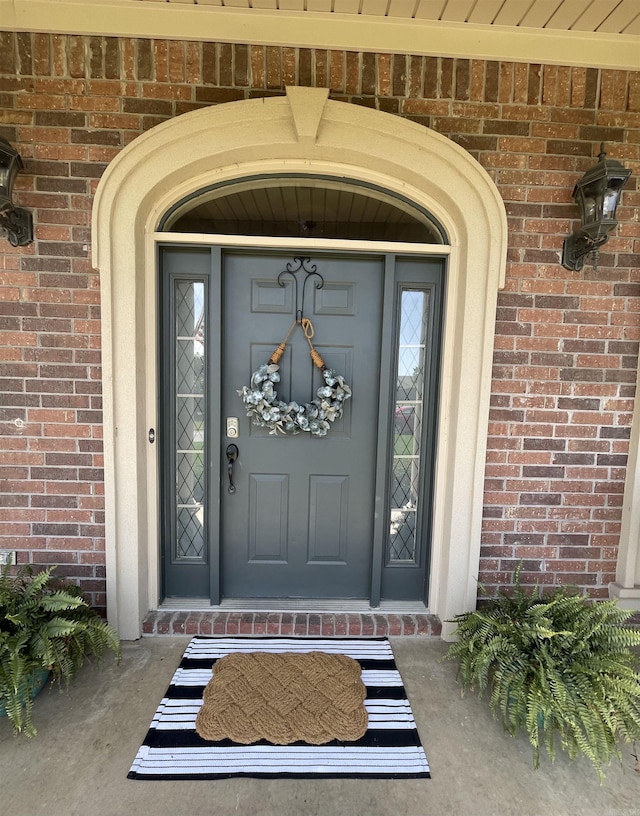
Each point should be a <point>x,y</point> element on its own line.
<point>261,399</point>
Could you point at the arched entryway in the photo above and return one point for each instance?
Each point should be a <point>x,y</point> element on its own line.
<point>306,134</point>
<point>346,518</point>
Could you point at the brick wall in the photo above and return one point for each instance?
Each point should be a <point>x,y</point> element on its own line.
<point>566,343</point>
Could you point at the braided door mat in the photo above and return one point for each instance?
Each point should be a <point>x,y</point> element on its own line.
<point>284,698</point>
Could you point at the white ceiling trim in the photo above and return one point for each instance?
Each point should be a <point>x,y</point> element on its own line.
<point>322,30</point>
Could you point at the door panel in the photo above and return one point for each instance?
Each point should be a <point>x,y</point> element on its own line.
<point>300,523</point>
<point>328,518</point>
<point>185,285</point>
<point>268,514</point>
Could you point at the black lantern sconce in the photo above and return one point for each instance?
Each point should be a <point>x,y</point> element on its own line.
<point>17,222</point>
<point>597,195</point>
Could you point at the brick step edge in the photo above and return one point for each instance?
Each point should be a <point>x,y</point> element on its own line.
<point>300,624</point>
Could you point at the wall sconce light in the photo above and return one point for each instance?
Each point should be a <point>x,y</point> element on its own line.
<point>597,195</point>
<point>16,221</point>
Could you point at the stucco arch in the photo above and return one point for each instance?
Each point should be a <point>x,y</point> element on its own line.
<point>302,132</point>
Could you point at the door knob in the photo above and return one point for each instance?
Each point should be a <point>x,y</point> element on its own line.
<point>232,455</point>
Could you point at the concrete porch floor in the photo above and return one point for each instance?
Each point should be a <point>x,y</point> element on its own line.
<point>88,737</point>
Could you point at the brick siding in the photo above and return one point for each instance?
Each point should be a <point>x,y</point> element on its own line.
<point>566,342</point>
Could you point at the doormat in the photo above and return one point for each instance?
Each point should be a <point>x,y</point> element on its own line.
<point>389,749</point>
<point>284,698</point>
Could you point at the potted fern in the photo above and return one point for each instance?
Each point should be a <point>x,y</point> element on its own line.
<point>46,627</point>
<point>558,666</point>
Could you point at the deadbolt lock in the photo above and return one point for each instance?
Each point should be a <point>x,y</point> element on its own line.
<point>233,427</point>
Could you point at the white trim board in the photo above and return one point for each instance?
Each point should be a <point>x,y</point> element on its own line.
<point>331,30</point>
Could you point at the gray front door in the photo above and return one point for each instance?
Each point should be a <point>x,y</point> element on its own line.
<point>300,522</point>
<point>343,516</point>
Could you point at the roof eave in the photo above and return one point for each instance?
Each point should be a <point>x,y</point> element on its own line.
<point>351,32</point>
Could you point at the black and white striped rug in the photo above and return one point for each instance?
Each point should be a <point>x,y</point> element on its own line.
<point>391,747</point>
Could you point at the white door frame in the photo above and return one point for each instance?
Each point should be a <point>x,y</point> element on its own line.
<point>303,132</point>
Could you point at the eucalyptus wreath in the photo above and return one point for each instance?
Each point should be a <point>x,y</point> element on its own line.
<point>315,417</point>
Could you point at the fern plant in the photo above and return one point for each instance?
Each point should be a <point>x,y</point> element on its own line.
<point>559,666</point>
<point>44,625</point>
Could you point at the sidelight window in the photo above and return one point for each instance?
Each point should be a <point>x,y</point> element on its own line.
<point>190,419</point>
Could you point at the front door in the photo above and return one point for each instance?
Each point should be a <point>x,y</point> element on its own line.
<point>346,515</point>
<point>300,520</point>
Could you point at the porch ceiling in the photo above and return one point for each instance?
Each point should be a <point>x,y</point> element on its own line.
<point>304,208</point>
<point>600,33</point>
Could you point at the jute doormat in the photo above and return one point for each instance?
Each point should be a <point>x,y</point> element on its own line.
<point>390,747</point>
<point>284,698</point>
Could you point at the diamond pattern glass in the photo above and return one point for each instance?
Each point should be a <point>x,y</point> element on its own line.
<point>190,477</point>
<point>189,422</point>
<point>190,533</point>
<point>190,413</point>
<point>189,367</point>
<point>407,434</point>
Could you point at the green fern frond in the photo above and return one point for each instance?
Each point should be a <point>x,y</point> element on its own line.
<point>60,600</point>
<point>558,666</point>
<point>44,626</point>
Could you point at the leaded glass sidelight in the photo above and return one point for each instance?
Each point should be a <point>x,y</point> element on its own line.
<point>411,386</point>
<point>190,419</point>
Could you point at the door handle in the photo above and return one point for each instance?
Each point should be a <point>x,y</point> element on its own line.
<point>232,455</point>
